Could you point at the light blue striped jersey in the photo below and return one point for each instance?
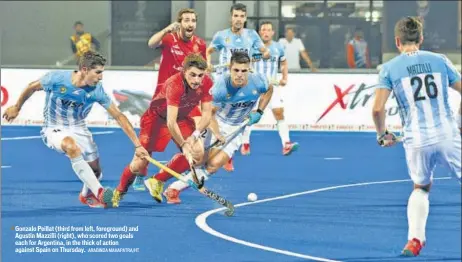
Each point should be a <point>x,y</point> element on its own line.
<point>227,42</point>
<point>67,105</point>
<point>234,103</point>
<point>420,82</point>
<point>268,67</point>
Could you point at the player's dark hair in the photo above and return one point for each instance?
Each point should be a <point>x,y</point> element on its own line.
<point>194,60</point>
<point>91,59</point>
<point>179,17</point>
<point>239,7</point>
<point>78,23</point>
<point>240,58</point>
<point>409,30</point>
<point>266,23</point>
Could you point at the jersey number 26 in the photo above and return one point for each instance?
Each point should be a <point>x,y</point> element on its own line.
<point>428,82</point>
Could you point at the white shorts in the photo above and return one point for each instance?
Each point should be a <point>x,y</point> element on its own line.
<point>277,99</point>
<point>422,161</point>
<point>53,136</point>
<point>226,130</point>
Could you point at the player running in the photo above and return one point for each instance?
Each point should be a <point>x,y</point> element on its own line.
<point>167,117</point>
<point>176,41</point>
<point>236,38</point>
<point>70,96</point>
<point>269,68</point>
<point>420,81</point>
<point>234,96</point>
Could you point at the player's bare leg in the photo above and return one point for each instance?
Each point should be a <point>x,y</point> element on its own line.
<point>137,167</point>
<point>283,129</point>
<point>417,213</point>
<point>85,172</point>
<point>87,197</point>
<point>215,160</point>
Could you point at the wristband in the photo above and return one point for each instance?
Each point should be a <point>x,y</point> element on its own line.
<point>260,111</point>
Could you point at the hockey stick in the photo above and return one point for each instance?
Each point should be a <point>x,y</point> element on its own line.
<point>210,194</point>
<point>199,182</point>
<point>229,136</point>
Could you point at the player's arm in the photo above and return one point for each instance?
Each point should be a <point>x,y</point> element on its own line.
<point>172,115</point>
<point>382,92</point>
<point>284,72</point>
<point>215,45</point>
<point>378,110</point>
<point>206,111</point>
<point>124,123</point>
<point>12,112</point>
<point>265,99</point>
<point>156,39</point>
<point>214,124</point>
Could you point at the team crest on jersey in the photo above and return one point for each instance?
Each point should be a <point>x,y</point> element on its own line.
<point>228,96</point>
<point>199,91</point>
<point>62,89</point>
<point>227,40</point>
<point>195,48</point>
<point>254,92</point>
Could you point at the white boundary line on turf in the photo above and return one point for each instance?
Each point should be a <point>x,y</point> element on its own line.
<point>201,220</point>
<point>34,137</point>
<point>6,166</point>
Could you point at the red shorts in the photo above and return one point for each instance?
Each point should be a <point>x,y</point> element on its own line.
<point>154,134</point>
<point>195,112</point>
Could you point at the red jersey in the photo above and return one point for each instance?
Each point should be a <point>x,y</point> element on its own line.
<point>175,92</point>
<point>174,51</point>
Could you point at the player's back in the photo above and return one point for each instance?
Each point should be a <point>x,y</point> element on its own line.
<point>67,105</point>
<point>420,81</point>
<point>234,104</point>
<point>268,67</point>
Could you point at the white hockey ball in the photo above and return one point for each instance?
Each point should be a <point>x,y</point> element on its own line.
<point>252,197</point>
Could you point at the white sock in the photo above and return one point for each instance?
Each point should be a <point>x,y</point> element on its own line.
<point>180,185</point>
<point>85,188</point>
<point>86,174</point>
<point>246,135</point>
<point>283,130</point>
<point>417,213</point>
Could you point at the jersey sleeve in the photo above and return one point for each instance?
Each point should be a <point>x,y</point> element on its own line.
<point>206,95</point>
<point>203,49</point>
<point>219,91</point>
<point>166,41</point>
<point>384,79</point>
<point>453,74</point>
<point>47,81</point>
<point>173,91</point>
<point>217,41</point>
<point>257,43</point>
<point>261,83</point>
<point>102,97</point>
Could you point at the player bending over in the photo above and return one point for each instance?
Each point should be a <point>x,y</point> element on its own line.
<point>269,68</point>
<point>167,117</point>
<point>176,41</point>
<point>420,81</point>
<point>70,96</point>
<point>234,96</point>
<point>230,40</point>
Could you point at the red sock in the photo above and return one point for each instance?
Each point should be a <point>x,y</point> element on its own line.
<point>178,164</point>
<point>126,180</point>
